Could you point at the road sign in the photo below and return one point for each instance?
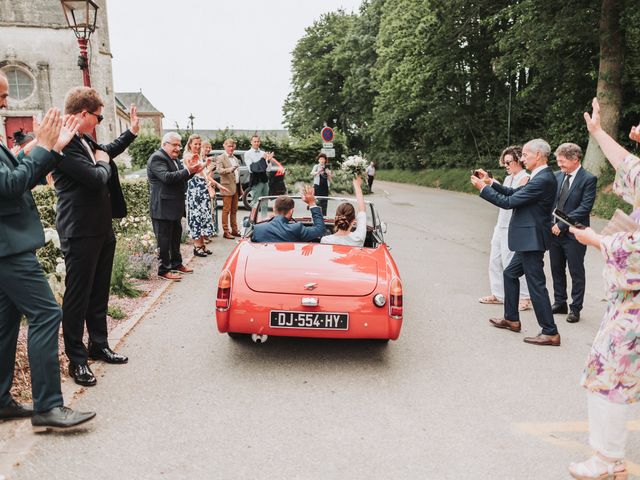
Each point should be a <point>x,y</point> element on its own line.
<point>327,134</point>
<point>327,145</point>
<point>329,152</point>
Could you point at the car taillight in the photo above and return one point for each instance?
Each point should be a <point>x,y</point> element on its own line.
<point>223,298</point>
<point>395,298</point>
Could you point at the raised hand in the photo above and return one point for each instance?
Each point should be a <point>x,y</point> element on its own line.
<point>49,129</point>
<point>135,121</point>
<point>357,181</point>
<point>593,120</point>
<point>69,128</point>
<point>308,196</point>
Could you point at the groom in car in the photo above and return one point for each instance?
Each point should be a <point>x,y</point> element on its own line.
<point>281,228</point>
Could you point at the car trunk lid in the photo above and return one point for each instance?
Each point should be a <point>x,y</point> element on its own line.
<point>311,269</point>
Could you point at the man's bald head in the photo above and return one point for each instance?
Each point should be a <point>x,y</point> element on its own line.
<point>4,89</point>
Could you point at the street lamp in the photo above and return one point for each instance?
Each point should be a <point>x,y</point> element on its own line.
<point>81,16</point>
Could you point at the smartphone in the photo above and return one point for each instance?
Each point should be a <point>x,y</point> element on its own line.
<point>567,220</point>
<point>476,173</point>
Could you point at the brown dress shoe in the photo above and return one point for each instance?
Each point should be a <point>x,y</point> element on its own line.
<point>171,276</point>
<point>512,325</point>
<point>228,235</point>
<point>542,339</point>
<point>236,234</point>
<point>182,269</point>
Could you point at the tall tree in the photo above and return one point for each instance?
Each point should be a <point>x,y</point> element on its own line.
<point>609,90</point>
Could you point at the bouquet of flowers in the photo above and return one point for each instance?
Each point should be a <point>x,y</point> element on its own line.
<point>355,166</point>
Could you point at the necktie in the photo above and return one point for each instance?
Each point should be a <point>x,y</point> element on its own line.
<point>564,191</point>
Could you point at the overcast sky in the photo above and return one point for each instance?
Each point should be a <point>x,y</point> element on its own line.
<point>228,63</point>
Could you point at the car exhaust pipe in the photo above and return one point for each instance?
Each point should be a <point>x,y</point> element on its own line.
<point>259,338</point>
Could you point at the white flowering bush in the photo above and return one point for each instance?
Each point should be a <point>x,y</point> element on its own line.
<point>354,166</point>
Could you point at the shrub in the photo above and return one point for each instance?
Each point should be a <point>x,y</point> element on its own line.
<point>120,279</point>
<point>116,312</point>
<point>142,148</point>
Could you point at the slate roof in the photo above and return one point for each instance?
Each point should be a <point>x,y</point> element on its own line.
<point>140,101</point>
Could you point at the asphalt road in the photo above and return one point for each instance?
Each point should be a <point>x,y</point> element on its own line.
<point>453,398</point>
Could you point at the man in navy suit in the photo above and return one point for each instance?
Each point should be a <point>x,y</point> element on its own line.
<point>575,197</point>
<point>529,237</point>
<point>282,228</point>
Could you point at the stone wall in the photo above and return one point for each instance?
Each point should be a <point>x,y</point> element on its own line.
<point>35,38</point>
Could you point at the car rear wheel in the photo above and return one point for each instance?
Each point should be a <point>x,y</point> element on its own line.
<point>247,198</point>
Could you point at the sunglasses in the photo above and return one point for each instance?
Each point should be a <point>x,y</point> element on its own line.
<point>98,116</point>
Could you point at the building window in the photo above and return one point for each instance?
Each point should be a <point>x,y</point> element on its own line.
<point>20,83</point>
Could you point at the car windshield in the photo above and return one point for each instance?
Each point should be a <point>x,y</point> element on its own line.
<point>264,210</point>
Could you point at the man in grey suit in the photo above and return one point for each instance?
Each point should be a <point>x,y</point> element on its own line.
<point>23,286</point>
<point>529,238</point>
<point>167,184</point>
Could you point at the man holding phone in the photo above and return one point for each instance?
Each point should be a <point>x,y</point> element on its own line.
<point>227,165</point>
<point>575,197</point>
<point>529,237</point>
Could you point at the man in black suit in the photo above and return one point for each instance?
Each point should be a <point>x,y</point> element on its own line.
<point>89,197</point>
<point>23,286</point>
<point>167,184</point>
<point>529,237</point>
<point>575,197</point>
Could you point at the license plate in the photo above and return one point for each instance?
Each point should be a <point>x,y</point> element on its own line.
<point>309,320</point>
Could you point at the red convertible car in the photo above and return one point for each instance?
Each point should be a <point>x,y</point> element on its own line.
<point>310,289</point>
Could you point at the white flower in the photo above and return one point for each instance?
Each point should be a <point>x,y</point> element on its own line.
<point>51,235</point>
<point>59,260</point>
<point>61,268</point>
<point>354,165</point>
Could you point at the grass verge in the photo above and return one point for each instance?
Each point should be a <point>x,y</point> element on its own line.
<point>457,179</point>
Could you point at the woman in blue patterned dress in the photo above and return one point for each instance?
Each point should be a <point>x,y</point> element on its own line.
<point>199,216</point>
<point>612,373</point>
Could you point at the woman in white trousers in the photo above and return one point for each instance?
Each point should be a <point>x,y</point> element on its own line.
<point>500,255</point>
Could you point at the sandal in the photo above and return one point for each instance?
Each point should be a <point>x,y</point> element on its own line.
<point>199,251</point>
<point>525,305</point>
<point>490,299</point>
<point>599,469</point>
<point>206,250</point>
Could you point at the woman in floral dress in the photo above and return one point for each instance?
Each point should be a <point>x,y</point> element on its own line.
<point>612,374</point>
<point>199,216</point>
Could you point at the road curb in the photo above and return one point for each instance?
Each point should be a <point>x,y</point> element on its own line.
<point>20,437</point>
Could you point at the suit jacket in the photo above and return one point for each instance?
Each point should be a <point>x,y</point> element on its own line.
<point>227,175</point>
<point>532,204</point>
<point>20,226</point>
<point>580,200</point>
<point>167,185</point>
<point>89,194</point>
<point>279,229</point>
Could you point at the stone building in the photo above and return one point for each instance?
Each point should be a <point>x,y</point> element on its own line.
<point>150,117</point>
<point>39,53</point>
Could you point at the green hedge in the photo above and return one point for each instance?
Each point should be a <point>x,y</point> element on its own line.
<point>287,151</point>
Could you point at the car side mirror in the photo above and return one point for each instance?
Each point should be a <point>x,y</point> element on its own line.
<point>245,222</point>
<point>383,227</point>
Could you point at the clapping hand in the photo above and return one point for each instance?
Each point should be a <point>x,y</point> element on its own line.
<point>69,128</point>
<point>634,134</point>
<point>135,121</point>
<point>593,120</point>
<point>102,156</point>
<point>308,196</point>
<point>49,129</point>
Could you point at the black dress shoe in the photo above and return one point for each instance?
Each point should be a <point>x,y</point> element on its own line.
<point>82,374</point>
<point>107,355</point>
<point>573,317</point>
<point>559,308</point>
<point>59,418</point>
<point>14,411</point>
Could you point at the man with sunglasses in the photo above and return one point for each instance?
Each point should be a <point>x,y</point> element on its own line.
<point>89,197</point>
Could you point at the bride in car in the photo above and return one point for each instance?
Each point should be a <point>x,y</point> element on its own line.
<point>346,217</point>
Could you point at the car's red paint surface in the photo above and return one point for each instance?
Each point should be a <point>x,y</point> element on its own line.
<point>278,276</point>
